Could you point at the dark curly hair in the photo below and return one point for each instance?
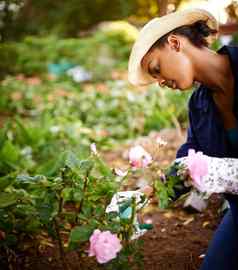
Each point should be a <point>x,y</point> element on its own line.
<point>196,33</point>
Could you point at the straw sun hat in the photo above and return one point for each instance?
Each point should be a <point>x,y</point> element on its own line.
<point>154,30</point>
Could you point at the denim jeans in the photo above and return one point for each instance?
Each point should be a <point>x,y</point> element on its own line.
<point>222,253</point>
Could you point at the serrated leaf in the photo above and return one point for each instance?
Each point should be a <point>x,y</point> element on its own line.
<point>80,234</point>
<point>47,207</point>
<point>30,179</point>
<point>72,161</point>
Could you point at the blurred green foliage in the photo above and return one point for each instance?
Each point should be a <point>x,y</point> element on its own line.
<point>107,48</point>
<point>42,118</point>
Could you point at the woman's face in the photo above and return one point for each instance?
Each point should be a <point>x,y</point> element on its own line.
<point>171,65</point>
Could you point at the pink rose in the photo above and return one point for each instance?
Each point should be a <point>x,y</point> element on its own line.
<point>138,157</point>
<point>197,166</point>
<point>104,245</point>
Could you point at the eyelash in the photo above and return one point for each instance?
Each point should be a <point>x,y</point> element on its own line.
<point>157,70</point>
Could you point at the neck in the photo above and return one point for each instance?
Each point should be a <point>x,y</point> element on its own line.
<point>212,69</point>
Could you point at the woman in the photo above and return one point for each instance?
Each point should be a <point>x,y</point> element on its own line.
<point>173,51</point>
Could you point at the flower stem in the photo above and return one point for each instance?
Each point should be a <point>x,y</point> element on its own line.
<point>61,248</point>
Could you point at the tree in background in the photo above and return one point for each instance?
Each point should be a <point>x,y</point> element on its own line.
<point>8,13</point>
<point>72,17</point>
<point>69,18</point>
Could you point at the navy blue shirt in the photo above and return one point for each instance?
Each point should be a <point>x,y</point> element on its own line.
<point>206,132</point>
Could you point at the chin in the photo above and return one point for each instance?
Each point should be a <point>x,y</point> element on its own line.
<point>185,86</point>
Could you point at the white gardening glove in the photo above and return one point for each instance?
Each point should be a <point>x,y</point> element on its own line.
<point>123,197</point>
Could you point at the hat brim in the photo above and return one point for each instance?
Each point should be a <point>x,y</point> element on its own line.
<point>154,30</point>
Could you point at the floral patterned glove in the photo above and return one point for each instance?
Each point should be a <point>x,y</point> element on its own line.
<point>210,174</point>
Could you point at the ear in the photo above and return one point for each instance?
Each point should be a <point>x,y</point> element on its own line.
<point>174,42</point>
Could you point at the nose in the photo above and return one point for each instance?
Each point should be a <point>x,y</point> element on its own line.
<point>161,81</point>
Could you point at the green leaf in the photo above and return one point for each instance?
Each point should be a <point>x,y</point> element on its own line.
<point>52,166</point>
<point>29,182</point>
<point>162,194</point>
<point>9,153</point>
<point>23,210</point>
<point>80,234</point>
<point>87,210</point>
<point>33,226</point>
<point>80,167</point>
<point>47,207</point>
<point>30,179</point>
<point>70,216</point>
<point>5,182</point>
<point>8,199</point>
<point>10,240</point>
<point>78,195</point>
<point>67,194</point>
<point>103,168</point>
<point>72,161</point>
<point>86,166</point>
<point>24,132</point>
<point>6,221</point>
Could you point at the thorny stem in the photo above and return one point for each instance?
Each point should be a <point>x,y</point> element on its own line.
<point>11,259</point>
<point>133,214</point>
<point>57,230</point>
<point>61,248</point>
<point>85,185</point>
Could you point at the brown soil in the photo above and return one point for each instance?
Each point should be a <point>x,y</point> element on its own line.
<point>179,240</point>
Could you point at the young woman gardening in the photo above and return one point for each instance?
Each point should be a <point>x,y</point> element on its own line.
<point>173,51</point>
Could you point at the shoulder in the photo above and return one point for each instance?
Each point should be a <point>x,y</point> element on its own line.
<point>232,52</point>
<point>228,49</point>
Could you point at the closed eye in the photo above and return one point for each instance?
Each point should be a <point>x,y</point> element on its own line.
<point>154,71</point>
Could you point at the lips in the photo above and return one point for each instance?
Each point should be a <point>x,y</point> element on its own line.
<point>170,83</point>
<point>174,85</point>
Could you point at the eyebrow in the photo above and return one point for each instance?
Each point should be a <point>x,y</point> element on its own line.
<point>150,70</point>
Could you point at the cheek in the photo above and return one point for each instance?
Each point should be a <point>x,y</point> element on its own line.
<point>179,68</point>
<point>170,66</point>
